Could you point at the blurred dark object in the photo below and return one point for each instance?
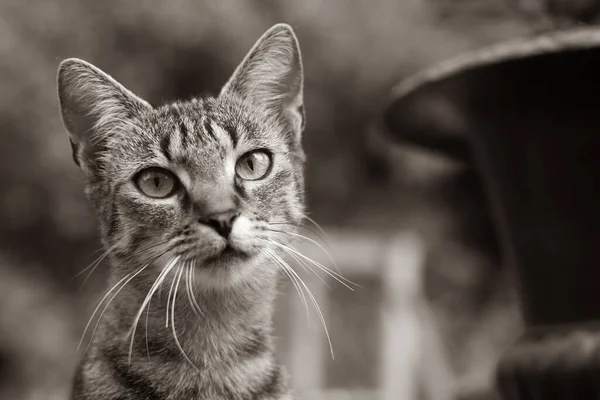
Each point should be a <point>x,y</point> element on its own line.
<point>552,363</point>
<point>586,11</point>
<point>529,109</point>
<point>559,12</point>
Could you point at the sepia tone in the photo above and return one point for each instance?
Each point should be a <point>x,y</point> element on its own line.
<point>363,188</point>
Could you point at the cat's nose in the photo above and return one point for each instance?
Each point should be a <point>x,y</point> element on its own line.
<point>222,222</point>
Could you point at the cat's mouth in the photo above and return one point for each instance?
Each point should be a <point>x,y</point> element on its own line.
<point>227,255</point>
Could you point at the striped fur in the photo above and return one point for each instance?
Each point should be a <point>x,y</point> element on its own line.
<point>218,308</point>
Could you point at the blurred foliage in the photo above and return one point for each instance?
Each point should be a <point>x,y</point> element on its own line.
<point>36,339</point>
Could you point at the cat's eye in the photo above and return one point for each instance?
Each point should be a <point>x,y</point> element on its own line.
<point>253,165</point>
<point>157,183</point>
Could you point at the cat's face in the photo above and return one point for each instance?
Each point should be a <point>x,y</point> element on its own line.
<point>210,183</point>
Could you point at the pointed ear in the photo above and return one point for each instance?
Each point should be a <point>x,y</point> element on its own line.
<point>93,106</point>
<point>271,77</point>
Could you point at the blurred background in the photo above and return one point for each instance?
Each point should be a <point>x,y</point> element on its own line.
<point>370,196</point>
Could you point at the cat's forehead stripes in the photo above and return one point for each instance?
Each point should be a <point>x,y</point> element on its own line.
<point>187,129</point>
<point>175,132</point>
<point>221,135</point>
<point>165,147</point>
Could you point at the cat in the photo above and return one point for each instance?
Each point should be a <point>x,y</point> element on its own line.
<point>194,199</point>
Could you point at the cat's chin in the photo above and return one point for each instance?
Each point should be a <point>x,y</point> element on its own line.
<point>225,268</point>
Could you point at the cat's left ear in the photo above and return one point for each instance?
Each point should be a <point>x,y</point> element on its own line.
<point>271,77</point>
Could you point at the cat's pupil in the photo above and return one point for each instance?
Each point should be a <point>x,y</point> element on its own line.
<point>156,181</point>
<point>250,164</point>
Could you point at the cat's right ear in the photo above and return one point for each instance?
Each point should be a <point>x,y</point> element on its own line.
<point>93,106</point>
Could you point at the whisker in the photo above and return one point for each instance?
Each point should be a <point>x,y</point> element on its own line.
<point>338,277</point>
<point>299,226</point>
<point>312,221</point>
<point>316,305</point>
<point>318,309</point>
<point>194,273</point>
<point>192,299</point>
<point>314,232</point>
<point>146,330</point>
<point>306,267</point>
<point>132,276</point>
<point>93,265</point>
<point>278,260</point>
<point>170,265</point>
<point>342,280</point>
<point>314,242</point>
<point>173,320</point>
<point>169,300</point>
<point>102,301</point>
<point>146,323</point>
<point>97,260</point>
<point>98,307</point>
<point>317,226</point>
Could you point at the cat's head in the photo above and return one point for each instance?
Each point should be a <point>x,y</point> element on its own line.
<point>207,182</point>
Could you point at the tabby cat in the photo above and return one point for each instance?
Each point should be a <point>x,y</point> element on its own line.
<point>194,199</point>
